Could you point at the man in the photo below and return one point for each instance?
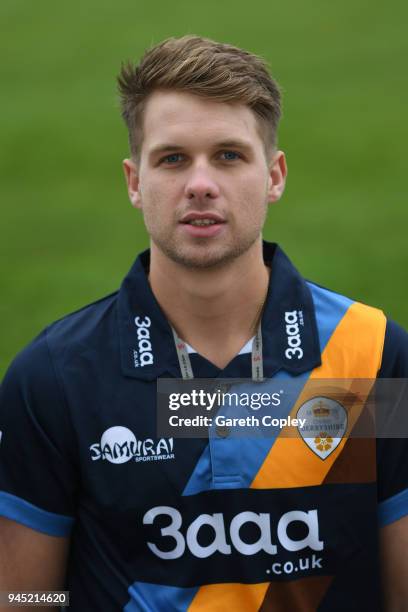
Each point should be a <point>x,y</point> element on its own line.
<point>92,499</point>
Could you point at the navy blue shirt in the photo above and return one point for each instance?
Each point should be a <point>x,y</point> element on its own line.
<point>177,524</point>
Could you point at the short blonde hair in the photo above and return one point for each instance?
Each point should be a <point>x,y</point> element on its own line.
<point>205,68</point>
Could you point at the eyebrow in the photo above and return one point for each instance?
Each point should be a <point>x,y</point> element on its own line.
<point>234,144</point>
<point>165,147</point>
<point>224,144</point>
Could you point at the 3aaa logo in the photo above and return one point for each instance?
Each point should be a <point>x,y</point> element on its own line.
<point>293,334</point>
<point>144,355</point>
<point>175,543</point>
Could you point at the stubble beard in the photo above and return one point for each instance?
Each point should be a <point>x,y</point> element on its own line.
<point>202,253</point>
<point>205,256</point>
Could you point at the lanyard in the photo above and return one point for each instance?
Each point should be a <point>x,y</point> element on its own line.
<point>256,357</point>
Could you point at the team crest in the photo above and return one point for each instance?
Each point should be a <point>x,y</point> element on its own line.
<point>325,425</point>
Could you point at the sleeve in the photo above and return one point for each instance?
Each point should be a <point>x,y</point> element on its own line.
<point>38,474</point>
<point>392,452</point>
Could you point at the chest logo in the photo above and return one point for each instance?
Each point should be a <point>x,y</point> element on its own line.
<point>119,444</point>
<point>217,524</point>
<point>325,424</point>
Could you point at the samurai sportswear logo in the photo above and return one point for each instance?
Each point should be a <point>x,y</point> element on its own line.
<point>119,445</point>
<point>144,355</point>
<point>293,318</point>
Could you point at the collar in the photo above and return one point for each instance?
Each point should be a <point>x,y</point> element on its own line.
<point>289,330</point>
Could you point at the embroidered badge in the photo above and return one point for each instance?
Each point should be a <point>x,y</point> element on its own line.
<point>325,425</point>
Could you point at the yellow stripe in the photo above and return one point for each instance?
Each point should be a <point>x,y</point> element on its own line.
<point>354,351</point>
<point>229,596</point>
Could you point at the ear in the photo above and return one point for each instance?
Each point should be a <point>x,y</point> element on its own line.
<point>277,176</point>
<point>132,181</point>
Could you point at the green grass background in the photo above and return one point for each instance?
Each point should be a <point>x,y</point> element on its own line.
<point>69,234</point>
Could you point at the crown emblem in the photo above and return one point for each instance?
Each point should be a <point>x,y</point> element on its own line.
<point>320,409</point>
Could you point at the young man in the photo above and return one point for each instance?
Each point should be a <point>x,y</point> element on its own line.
<point>92,499</point>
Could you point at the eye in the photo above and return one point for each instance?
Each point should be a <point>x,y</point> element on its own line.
<point>230,155</point>
<point>174,158</point>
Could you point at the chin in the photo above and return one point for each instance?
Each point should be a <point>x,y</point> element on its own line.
<point>204,257</point>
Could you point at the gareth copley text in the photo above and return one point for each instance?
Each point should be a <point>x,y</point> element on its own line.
<point>236,422</point>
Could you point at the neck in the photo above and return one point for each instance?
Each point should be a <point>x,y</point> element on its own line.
<point>214,310</point>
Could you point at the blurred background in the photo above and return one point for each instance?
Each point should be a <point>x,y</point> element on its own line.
<point>69,234</point>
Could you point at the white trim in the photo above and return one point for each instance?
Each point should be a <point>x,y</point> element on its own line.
<point>247,348</point>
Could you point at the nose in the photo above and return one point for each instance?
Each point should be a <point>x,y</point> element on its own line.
<point>200,185</point>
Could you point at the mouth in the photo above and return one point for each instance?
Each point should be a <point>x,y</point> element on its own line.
<point>203,225</point>
<point>201,222</point>
<point>200,219</point>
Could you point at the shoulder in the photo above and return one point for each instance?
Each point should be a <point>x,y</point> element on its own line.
<point>323,296</point>
<point>395,354</point>
<point>35,366</point>
<point>83,332</point>
<point>365,326</point>
<point>330,301</point>
<point>351,322</point>
<point>82,325</point>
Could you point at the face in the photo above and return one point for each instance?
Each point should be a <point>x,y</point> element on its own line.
<point>203,181</point>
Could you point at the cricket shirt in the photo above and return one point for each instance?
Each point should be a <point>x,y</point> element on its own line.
<point>162,523</point>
